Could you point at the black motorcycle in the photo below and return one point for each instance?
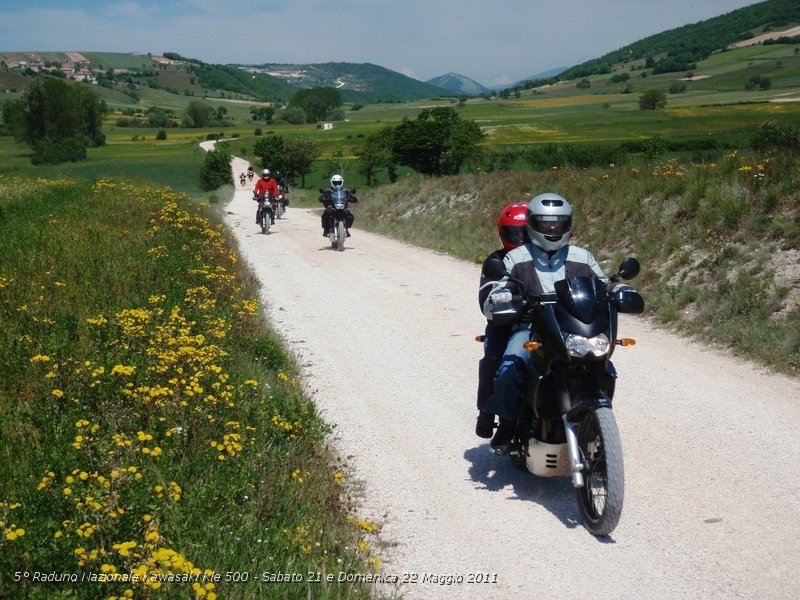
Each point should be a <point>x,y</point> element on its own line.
<point>264,215</point>
<point>566,427</point>
<point>340,218</point>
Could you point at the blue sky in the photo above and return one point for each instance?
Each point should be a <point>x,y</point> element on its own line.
<point>491,41</point>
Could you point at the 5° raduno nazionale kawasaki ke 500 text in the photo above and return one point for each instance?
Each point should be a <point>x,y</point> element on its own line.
<point>566,427</point>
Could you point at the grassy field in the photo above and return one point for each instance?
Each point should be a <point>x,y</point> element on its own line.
<point>154,431</point>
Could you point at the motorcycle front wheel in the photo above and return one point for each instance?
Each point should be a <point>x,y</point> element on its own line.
<point>341,234</point>
<point>600,499</point>
<point>266,221</point>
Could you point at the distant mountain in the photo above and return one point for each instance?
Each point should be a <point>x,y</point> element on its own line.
<point>459,84</point>
<point>358,82</point>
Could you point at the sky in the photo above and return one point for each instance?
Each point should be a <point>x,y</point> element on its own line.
<point>494,42</point>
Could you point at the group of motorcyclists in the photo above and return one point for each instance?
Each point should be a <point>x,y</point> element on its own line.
<point>269,187</point>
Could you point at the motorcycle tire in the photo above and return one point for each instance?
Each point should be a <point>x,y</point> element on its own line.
<point>341,235</point>
<point>601,497</point>
<point>266,221</point>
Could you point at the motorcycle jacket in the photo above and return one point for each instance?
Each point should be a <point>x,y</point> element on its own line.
<point>266,186</point>
<point>539,271</point>
<point>325,197</point>
<point>486,284</point>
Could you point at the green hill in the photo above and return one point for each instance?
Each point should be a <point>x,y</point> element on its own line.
<point>358,82</point>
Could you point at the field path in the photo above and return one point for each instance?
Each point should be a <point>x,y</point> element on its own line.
<point>383,333</point>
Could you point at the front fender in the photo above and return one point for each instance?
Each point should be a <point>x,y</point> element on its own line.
<point>587,401</point>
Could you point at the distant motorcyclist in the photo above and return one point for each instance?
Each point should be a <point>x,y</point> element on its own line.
<point>283,186</point>
<point>513,232</point>
<point>250,172</point>
<point>547,258</point>
<point>326,197</point>
<point>241,179</point>
<point>265,186</point>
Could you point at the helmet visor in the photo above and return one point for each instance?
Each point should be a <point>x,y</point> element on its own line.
<point>555,225</point>
<point>516,235</point>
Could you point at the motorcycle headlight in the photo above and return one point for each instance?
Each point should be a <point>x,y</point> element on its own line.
<point>580,346</point>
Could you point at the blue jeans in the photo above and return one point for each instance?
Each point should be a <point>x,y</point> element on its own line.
<point>505,400</point>
<point>495,340</point>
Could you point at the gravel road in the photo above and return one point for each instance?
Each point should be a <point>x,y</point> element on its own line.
<point>384,334</point>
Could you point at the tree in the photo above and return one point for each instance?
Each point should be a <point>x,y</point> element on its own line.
<point>216,169</point>
<point>316,102</point>
<point>300,154</point>
<point>438,142</point>
<point>652,100</point>
<point>198,114</point>
<point>272,152</point>
<point>376,153</point>
<point>57,120</point>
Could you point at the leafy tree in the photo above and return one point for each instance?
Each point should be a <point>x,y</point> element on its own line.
<point>293,115</point>
<point>437,142</point>
<point>262,113</point>
<point>652,100</point>
<point>583,84</point>
<point>198,114</point>
<point>57,120</point>
<point>271,150</point>
<point>376,153</point>
<point>216,169</point>
<point>316,102</point>
<point>300,154</point>
<point>758,81</point>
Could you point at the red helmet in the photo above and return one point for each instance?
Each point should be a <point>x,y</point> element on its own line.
<point>512,225</point>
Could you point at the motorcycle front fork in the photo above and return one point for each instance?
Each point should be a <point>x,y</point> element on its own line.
<point>570,429</point>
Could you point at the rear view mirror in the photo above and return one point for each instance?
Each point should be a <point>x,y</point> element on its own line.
<point>629,268</point>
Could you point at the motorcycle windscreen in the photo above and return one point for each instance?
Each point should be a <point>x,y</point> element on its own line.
<point>582,297</point>
<point>339,198</point>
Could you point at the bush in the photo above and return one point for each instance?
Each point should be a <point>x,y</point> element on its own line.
<point>216,169</point>
<point>652,100</point>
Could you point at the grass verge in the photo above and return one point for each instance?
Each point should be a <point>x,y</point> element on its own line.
<point>155,441</point>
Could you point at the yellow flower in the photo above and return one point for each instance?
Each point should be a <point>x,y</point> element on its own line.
<point>40,358</point>
<point>57,393</point>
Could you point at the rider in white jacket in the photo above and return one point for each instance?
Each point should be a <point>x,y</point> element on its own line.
<point>539,264</point>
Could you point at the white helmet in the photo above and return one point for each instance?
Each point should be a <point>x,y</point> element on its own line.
<point>266,173</point>
<point>337,181</point>
<point>549,219</point>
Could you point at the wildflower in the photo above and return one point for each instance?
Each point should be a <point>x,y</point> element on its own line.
<point>58,393</point>
<point>40,358</point>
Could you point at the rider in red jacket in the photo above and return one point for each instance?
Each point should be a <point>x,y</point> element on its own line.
<point>266,185</point>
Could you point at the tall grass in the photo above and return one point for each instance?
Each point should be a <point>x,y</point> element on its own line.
<point>718,242</point>
<point>152,431</point>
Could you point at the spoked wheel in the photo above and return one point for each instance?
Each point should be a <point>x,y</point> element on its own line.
<point>266,221</point>
<point>341,234</point>
<point>600,499</point>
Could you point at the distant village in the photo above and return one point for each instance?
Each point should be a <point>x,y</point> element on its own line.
<point>76,66</point>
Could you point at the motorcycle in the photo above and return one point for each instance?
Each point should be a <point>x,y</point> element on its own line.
<point>264,214</point>
<point>277,207</point>
<point>241,180</point>
<point>566,426</point>
<point>338,231</point>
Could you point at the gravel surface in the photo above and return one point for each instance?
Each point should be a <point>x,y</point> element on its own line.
<point>384,335</point>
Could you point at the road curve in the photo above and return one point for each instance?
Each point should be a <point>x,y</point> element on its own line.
<point>383,333</point>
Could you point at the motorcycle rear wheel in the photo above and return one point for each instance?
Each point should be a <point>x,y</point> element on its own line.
<point>341,234</point>
<point>601,497</point>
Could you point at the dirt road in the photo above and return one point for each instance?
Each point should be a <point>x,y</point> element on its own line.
<point>384,336</point>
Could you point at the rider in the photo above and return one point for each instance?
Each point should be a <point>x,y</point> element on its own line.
<point>265,186</point>
<point>241,178</point>
<point>547,258</point>
<point>283,186</point>
<point>511,227</point>
<point>337,183</point>
<point>250,172</point>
